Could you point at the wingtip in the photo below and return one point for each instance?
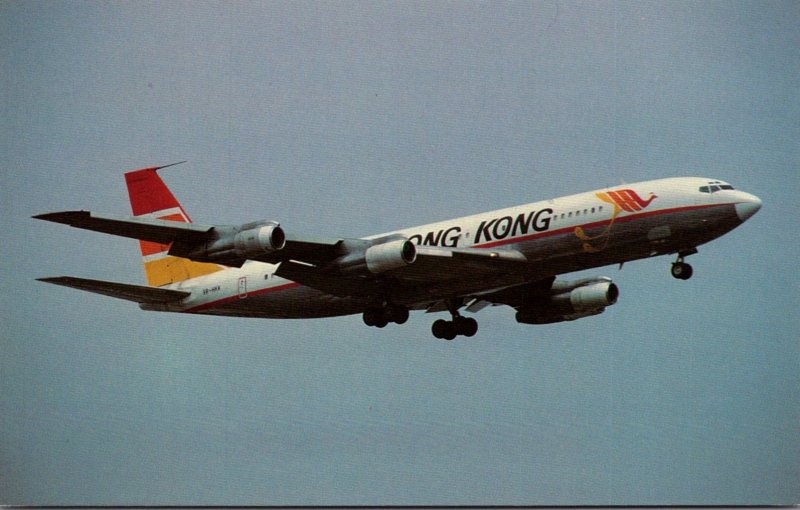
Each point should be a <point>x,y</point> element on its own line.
<point>66,217</point>
<point>46,216</point>
<point>51,279</point>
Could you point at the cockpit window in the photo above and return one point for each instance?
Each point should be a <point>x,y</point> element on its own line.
<point>714,186</point>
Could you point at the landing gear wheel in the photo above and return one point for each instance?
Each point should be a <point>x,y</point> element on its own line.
<point>450,331</point>
<point>376,317</point>
<point>397,314</point>
<point>466,326</point>
<point>380,317</point>
<point>681,270</point>
<point>371,316</point>
<point>441,328</point>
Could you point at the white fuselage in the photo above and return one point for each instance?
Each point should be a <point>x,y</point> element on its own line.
<point>570,233</point>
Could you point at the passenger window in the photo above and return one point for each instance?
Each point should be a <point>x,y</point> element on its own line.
<point>592,210</point>
<point>569,215</point>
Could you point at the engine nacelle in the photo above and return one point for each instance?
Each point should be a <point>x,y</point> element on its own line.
<point>579,302</point>
<point>236,244</point>
<point>259,240</point>
<point>379,258</point>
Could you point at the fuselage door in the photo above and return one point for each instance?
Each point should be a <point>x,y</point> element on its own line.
<point>242,287</point>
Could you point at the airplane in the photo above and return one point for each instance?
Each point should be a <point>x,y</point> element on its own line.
<point>507,257</point>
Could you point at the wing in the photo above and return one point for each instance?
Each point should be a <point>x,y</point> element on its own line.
<point>147,229</point>
<point>196,241</point>
<point>341,267</point>
<point>136,293</point>
<point>438,264</point>
<point>436,272</point>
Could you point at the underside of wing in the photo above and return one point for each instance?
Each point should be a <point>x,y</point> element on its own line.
<point>136,293</point>
<point>434,273</point>
<point>441,264</point>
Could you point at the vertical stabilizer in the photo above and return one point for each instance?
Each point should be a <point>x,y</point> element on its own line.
<point>150,197</point>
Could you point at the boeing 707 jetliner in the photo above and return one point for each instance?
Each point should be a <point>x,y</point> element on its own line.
<point>505,257</point>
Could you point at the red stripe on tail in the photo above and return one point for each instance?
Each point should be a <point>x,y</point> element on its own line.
<point>149,194</point>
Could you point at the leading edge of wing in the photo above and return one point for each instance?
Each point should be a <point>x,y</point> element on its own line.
<point>136,293</point>
<point>147,229</point>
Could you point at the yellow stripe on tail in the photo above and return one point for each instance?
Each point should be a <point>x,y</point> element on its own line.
<point>151,197</point>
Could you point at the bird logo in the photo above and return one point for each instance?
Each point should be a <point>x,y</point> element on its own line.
<point>621,200</point>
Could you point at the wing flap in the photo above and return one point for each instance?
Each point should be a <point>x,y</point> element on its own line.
<point>438,264</point>
<point>334,284</point>
<point>136,293</point>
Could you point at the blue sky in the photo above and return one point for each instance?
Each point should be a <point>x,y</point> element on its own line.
<point>353,119</point>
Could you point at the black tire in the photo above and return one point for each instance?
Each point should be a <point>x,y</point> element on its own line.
<point>439,328</point>
<point>375,317</point>
<point>466,326</point>
<point>469,327</point>
<point>450,332</point>
<point>681,270</point>
<point>369,317</point>
<point>397,314</point>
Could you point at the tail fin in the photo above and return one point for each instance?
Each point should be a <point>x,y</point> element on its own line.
<point>151,197</point>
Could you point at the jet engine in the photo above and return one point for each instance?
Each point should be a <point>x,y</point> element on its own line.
<point>579,302</point>
<point>379,258</point>
<point>234,245</point>
<point>255,241</point>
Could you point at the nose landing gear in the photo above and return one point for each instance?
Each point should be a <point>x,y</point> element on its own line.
<point>680,269</point>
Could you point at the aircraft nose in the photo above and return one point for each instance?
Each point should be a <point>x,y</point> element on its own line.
<point>748,206</point>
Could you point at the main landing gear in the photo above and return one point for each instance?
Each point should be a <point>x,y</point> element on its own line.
<point>381,316</point>
<point>448,330</point>
<point>680,269</point>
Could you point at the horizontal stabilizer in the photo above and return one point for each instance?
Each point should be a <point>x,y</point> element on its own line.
<point>136,293</point>
<point>147,229</point>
